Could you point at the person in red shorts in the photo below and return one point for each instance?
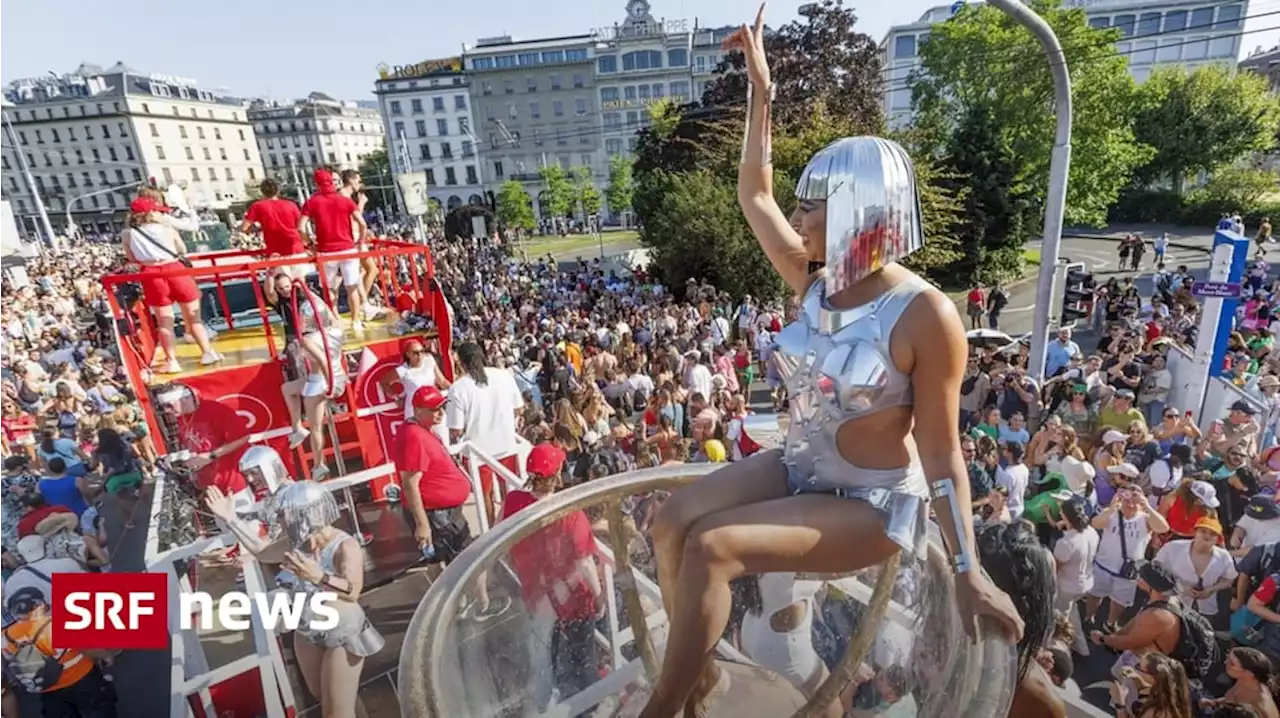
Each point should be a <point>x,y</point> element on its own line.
<point>213,435</point>
<point>558,577</point>
<point>332,216</point>
<point>434,487</point>
<point>278,218</point>
<point>156,247</point>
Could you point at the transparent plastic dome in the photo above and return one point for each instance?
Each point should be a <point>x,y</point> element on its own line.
<point>889,638</point>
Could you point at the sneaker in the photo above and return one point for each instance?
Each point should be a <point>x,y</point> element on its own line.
<point>171,367</point>
<point>357,326</point>
<point>297,436</point>
<point>373,311</point>
<point>496,607</point>
<point>319,472</point>
<point>210,358</point>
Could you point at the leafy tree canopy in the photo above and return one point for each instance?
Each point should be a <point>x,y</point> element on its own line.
<point>621,183</point>
<point>515,207</point>
<point>982,58</point>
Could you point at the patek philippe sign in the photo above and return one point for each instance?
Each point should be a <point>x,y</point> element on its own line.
<point>641,30</point>
<point>426,67</point>
<point>624,104</point>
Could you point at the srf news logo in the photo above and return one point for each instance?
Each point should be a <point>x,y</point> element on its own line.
<point>130,611</point>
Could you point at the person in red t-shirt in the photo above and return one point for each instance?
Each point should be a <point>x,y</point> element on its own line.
<point>434,487</point>
<point>215,436</point>
<point>558,574</point>
<point>332,216</point>
<point>278,218</point>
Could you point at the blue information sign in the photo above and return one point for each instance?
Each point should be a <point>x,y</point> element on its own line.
<point>1222,290</point>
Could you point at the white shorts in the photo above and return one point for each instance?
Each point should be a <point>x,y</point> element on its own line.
<point>318,385</point>
<point>348,268</point>
<point>1120,590</point>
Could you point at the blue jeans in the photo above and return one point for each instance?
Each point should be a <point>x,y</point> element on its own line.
<point>1154,411</point>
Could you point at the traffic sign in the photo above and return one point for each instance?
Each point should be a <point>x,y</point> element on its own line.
<point>1221,290</point>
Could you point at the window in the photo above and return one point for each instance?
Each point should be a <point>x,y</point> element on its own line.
<point>242,135</point>
<point>579,80</point>
<point>608,94</point>
<point>612,119</point>
<point>644,92</point>
<point>1222,46</point>
<point>1175,20</point>
<point>56,136</point>
<point>106,131</point>
<point>230,177</point>
<point>195,173</point>
<point>553,56</point>
<point>275,161</point>
<point>190,155</point>
<point>420,127</point>
<point>88,132</point>
<point>128,152</point>
<point>575,55</point>
<point>182,131</point>
<point>555,82</point>
<point>247,156</point>
<point>399,128</point>
<point>168,176</point>
<point>580,106</point>
<point>613,146</point>
<point>557,108</point>
<point>1201,18</point>
<point>1169,51</point>
<point>437,104</point>
<point>471,175</point>
<point>1144,53</point>
<point>111,152</point>
<point>680,91</point>
<point>607,63</point>
<point>467,150</point>
<point>534,110</point>
<point>459,102</point>
<point>416,106</point>
<point>530,84</point>
<point>1125,23</point>
<point>424,151</point>
<point>222,153</point>
<point>120,176</point>
<point>97,156</point>
<point>700,63</point>
<point>904,46</point>
<point>333,157</point>
<point>252,174</point>
<point>1148,24</point>
<point>1196,49</point>
<point>71,134</point>
<point>497,169</point>
<point>678,57</point>
<point>450,178</point>
<point>482,63</point>
<point>395,107</point>
<point>560,137</point>
<point>464,126</point>
<point>505,61</point>
<point>446,151</point>
<point>137,174</point>
<point>120,126</point>
<point>632,119</point>
<point>486,88</point>
<point>528,58</point>
<point>629,92</point>
<point>442,126</point>
<point>431,177</point>
<point>1228,17</point>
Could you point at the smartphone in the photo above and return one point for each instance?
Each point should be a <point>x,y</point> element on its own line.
<point>1188,414</point>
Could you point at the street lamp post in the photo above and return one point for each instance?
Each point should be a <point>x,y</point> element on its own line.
<point>45,224</point>
<point>74,200</point>
<point>1059,166</point>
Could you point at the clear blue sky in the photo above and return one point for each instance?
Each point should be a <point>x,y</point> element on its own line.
<point>283,50</point>
<point>279,49</point>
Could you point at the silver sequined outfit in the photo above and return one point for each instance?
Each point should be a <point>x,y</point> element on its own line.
<point>838,368</point>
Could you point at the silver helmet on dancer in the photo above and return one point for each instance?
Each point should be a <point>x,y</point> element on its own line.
<point>303,509</point>
<point>263,470</point>
<point>872,208</point>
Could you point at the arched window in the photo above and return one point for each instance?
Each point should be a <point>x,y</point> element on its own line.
<point>454,202</point>
<point>475,199</point>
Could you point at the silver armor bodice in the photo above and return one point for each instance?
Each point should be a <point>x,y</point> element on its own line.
<point>838,368</point>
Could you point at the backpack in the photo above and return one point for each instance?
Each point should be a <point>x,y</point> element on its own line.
<point>1197,647</point>
<point>31,667</point>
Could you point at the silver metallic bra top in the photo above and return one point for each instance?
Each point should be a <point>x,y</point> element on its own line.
<point>837,365</point>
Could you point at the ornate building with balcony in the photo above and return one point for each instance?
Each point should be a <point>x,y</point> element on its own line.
<point>91,137</point>
<point>313,132</point>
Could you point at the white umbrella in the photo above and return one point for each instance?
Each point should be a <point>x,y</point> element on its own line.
<point>988,338</point>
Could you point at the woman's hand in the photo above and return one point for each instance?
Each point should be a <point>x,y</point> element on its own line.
<point>219,504</point>
<point>303,567</point>
<point>750,41</point>
<point>979,597</point>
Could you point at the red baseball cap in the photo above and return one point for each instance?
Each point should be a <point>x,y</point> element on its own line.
<point>428,397</point>
<point>142,205</point>
<point>545,460</point>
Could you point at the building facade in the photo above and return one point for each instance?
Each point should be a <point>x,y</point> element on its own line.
<point>427,117</point>
<point>639,62</point>
<point>1190,33</point>
<point>91,137</point>
<point>535,104</point>
<point>313,132</point>
<point>1265,63</point>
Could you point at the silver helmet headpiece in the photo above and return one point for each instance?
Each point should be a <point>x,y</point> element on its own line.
<point>303,508</point>
<point>263,470</point>
<point>872,207</point>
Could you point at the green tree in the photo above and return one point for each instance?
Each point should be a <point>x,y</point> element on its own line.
<point>1232,189</point>
<point>621,184</point>
<point>515,208</point>
<point>558,196</point>
<point>375,170</point>
<point>1203,120</point>
<point>983,57</point>
<point>585,193</point>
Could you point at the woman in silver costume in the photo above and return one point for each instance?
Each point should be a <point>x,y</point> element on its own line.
<point>319,557</point>
<point>875,361</point>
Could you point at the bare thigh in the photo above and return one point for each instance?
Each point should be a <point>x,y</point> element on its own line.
<point>759,478</point>
<point>341,671</point>
<point>310,657</point>
<point>809,533</point>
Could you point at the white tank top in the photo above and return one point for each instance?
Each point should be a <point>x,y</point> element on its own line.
<point>144,247</point>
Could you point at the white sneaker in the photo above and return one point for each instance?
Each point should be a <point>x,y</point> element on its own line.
<point>373,311</point>
<point>171,367</point>
<point>357,326</point>
<point>297,436</point>
<point>319,471</point>
<point>210,358</point>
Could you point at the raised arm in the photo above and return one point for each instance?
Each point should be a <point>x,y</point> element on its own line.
<point>781,243</point>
